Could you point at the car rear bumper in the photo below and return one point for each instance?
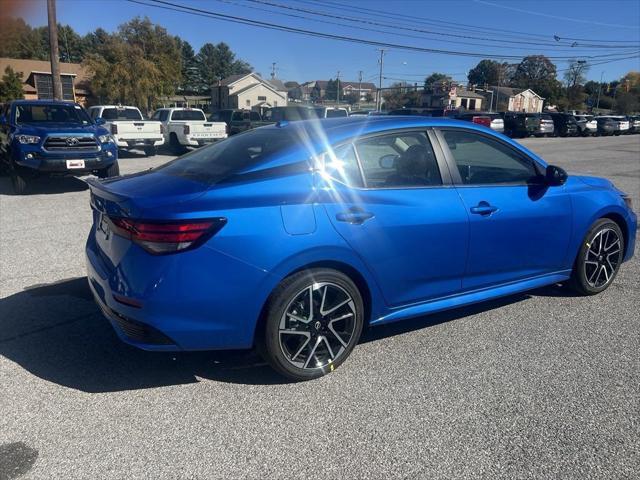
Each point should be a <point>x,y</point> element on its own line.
<point>139,142</point>
<point>200,141</point>
<point>195,300</point>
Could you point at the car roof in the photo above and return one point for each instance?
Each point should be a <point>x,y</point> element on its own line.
<point>43,102</point>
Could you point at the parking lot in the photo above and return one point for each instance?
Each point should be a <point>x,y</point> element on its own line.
<point>538,385</point>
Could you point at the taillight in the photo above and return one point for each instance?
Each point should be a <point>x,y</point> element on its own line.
<point>186,129</point>
<point>162,129</point>
<point>114,129</point>
<point>167,237</point>
<point>486,121</point>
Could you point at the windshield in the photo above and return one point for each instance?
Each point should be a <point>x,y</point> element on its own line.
<point>216,162</point>
<point>188,115</point>
<point>36,113</point>
<point>121,114</point>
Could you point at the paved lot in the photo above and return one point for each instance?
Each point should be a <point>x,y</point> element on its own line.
<point>542,385</point>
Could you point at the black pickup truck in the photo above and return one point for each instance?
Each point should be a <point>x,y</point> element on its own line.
<point>239,120</point>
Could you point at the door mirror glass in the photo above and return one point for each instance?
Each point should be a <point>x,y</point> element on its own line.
<point>555,175</point>
<point>100,121</point>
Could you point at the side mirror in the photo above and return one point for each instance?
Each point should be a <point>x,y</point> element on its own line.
<point>555,175</point>
<point>100,121</point>
<point>388,161</point>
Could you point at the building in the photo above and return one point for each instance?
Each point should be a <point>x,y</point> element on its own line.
<point>452,97</point>
<point>37,82</point>
<point>517,100</point>
<point>317,89</point>
<point>248,91</point>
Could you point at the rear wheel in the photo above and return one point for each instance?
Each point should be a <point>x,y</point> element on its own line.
<point>312,323</point>
<point>150,151</point>
<point>175,146</point>
<point>599,258</point>
<point>112,171</point>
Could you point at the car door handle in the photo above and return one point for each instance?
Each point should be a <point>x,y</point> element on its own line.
<point>483,208</point>
<point>355,216</point>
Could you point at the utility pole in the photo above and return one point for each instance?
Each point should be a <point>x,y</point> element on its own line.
<point>359,87</point>
<point>599,90</point>
<point>338,87</point>
<point>53,47</point>
<point>379,96</point>
<point>273,70</point>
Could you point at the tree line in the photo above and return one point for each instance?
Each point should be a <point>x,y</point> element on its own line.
<point>137,64</point>
<point>539,74</point>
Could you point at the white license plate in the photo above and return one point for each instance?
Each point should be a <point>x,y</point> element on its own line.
<point>75,164</point>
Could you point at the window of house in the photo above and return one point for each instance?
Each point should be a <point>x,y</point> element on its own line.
<point>481,160</point>
<point>248,103</point>
<point>262,98</point>
<point>404,159</point>
<point>463,103</point>
<point>472,104</point>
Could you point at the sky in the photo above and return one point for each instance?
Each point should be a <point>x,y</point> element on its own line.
<point>486,27</point>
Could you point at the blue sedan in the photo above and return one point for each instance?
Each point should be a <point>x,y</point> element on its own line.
<point>292,237</point>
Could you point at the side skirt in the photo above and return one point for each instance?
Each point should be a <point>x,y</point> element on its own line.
<point>468,298</point>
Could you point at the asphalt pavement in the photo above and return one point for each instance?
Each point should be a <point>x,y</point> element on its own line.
<point>537,385</point>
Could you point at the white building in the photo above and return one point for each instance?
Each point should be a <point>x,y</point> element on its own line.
<point>249,91</point>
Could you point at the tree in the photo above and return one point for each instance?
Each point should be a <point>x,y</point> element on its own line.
<point>488,72</point>
<point>352,98</point>
<point>627,102</point>
<point>216,62</point>
<point>576,74</point>
<point>399,95</point>
<point>538,73</point>
<point>331,91</point>
<point>191,78</point>
<point>138,64</point>
<point>11,85</point>
<point>435,78</point>
<point>19,40</point>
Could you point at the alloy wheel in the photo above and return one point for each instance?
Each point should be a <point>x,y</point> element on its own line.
<point>317,326</point>
<point>603,258</point>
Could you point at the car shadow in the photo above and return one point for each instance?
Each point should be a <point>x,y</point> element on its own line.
<point>45,185</point>
<point>56,332</point>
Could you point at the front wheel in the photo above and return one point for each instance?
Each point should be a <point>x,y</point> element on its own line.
<point>112,171</point>
<point>599,258</point>
<point>18,181</point>
<point>312,323</point>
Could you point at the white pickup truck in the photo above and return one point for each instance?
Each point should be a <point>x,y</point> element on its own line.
<point>188,127</point>
<point>128,127</point>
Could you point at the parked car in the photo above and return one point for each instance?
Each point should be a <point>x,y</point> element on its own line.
<point>289,113</point>
<point>129,129</point>
<point>517,124</point>
<point>621,123</point>
<point>587,125</point>
<point>238,121</point>
<point>293,237</point>
<point>331,112</point>
<point>565,124</point>
<point>546,127</point>
<point>188,127</point>
<point>488,119</point>
<point>606,126</point>
<point>634,124</point>
<point>47,137</point>
<point>421,112</point>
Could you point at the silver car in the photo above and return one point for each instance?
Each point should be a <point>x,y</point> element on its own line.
<point>587,125</point>
<point>546,127</point>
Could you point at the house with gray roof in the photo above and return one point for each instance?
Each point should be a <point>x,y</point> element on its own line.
<point>249,92</point>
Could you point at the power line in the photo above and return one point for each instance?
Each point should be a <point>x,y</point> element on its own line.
<point>429,32</point>
<point>442,23</point>
<point>273,26</point>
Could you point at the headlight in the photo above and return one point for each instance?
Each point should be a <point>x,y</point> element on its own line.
<point>26,139</point>
<point>105,138</point>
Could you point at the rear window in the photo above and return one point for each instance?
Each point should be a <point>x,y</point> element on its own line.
<point>121,114</point>
<point>221,160</point>
<point>188,115</point>
<point>336,113</point>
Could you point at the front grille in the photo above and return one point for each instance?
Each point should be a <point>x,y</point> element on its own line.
<point>140,332</point>
<point>71,143</point>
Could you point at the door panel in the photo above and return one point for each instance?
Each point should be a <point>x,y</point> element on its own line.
<point>413,240</point>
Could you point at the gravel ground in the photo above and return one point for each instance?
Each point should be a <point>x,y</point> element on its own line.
<point>539,385</point>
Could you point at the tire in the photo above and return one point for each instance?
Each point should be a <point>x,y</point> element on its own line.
<point>18,182</point>
<point>317,334</point>
<point>112,171</point>
<point>597,264</point>
<point>174,145</point>
<point>150,151</point>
